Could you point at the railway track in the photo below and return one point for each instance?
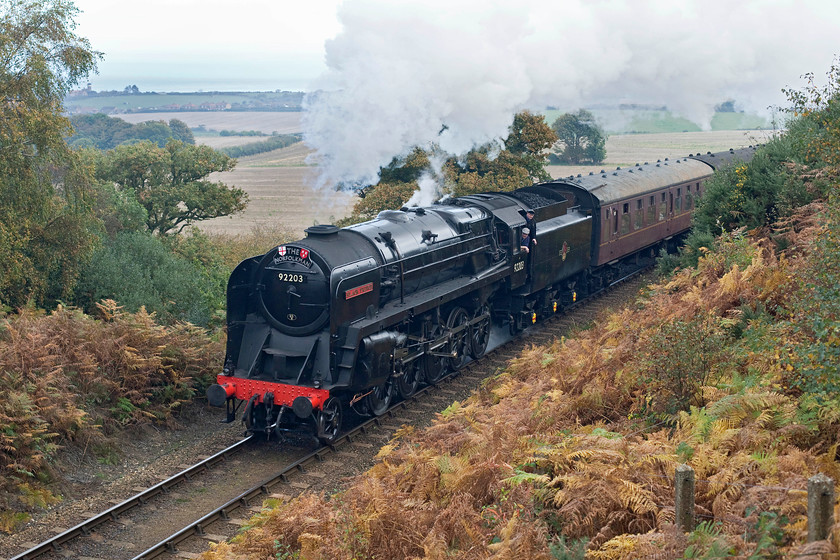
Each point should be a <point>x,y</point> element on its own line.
<point>106,535</point>
<point>85,528</point>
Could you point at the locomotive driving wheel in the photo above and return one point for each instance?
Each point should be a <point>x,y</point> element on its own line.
<point>435,366</point>
<point>407,383</point>
<point>459,344</point>
<point>379,399</point>
<point>329,421</point>
<point>480,333</point>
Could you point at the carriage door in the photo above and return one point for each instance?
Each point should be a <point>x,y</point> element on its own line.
<point>610,231</point>
<point>670,211</point>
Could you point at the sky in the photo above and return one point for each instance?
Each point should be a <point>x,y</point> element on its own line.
<point>387,75</point>
<point>187,45</point>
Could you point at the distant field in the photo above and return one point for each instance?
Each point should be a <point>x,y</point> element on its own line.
<point>630,149</point>
<point>268,122</point>
<point>218,142</point>
<point>279,186</point>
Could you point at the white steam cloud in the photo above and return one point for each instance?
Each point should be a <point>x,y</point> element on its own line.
<point>454,72</point>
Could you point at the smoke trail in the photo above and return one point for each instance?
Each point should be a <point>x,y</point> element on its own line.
<point>453,73</point>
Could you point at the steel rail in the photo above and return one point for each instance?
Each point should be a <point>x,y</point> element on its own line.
<point>84,528</point>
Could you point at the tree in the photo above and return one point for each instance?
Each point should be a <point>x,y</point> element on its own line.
<point>171,182</point>
<point>530,141</point>
<point>180,131</point>
<point>46,226</point>
<point>580,138</point>
<point>519,164</point>
<point>104,132</point>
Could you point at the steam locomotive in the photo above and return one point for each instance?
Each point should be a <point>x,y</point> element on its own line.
<point>355,317</point>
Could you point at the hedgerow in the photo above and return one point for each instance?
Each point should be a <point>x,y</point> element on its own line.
<point>268,145</point>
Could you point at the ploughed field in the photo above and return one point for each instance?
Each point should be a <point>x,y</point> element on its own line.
<point>279,183</point>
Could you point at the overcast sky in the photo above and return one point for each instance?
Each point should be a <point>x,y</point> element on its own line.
<point>185,45</point>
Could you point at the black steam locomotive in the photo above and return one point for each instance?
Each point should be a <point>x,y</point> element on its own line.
<point>357,316</point>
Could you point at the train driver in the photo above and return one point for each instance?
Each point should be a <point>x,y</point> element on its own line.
<point>525,240</point>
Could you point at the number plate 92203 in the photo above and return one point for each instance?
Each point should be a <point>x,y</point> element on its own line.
<point>290,277</point>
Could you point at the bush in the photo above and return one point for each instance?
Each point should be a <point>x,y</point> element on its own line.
<point>210,262</point>
<point>139,270</point>
<point>681,358</point>
<point>813,356</point>
<point>696,243</point>
<point>751,195</point>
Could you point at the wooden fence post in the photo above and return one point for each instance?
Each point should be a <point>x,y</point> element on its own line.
<point>820,507</point>
<point>684,498</point>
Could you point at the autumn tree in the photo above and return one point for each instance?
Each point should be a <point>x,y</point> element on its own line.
<point>46,226</point>
<point>520,163</point>
<point>580,138</point>
<point>171,182</point>
<point>530,141</point>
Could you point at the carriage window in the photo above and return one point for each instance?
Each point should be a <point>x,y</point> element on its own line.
<point>662,208</point>
<point>625,218</point>
<point>651,210</point>
<point>678,201</point>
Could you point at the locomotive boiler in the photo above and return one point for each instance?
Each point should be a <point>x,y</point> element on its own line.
<point>351,318</point>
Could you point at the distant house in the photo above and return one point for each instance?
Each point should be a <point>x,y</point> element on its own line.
<point>221,106</point>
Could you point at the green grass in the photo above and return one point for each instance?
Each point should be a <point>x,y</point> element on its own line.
<point>630,121</point>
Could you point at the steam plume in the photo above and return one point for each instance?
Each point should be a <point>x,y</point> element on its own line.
<point>400,71</point>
